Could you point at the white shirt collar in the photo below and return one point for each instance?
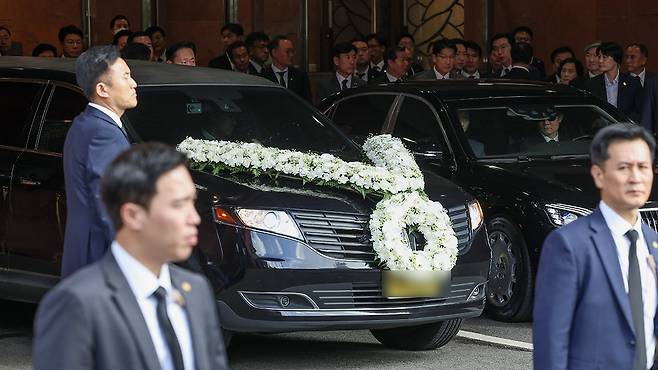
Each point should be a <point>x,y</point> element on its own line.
<point>141,280</point>
<point>341,78</point>
<point>439,76</point>
<point>110,113</point>
<point>641,75</point>
<point>275,69</point>
<point>475,74</point>
<point>556,138</point>
<point>613,82</point>
<point>592,75</point>
<point>379,65</point>
<point>617,225</point>
<point>391,77</point>
<point>257,66</point>
<point>521,67</point>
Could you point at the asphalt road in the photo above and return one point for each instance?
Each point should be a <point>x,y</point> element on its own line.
<point>322,350</point>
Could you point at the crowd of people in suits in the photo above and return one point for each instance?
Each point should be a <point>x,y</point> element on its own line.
<point>372,59</point>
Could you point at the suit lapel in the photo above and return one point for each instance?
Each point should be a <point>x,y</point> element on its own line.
<point>104,117</point>
<point>194,316</point>
<point>127,304</point>
<point>605,246</point>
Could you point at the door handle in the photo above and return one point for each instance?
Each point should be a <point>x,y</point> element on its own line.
<point>28,181</point>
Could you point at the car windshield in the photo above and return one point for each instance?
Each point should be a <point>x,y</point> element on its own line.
<point>530,130</point>
<point>268,116</point>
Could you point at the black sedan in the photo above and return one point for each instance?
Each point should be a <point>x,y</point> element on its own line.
<point>521,148</point>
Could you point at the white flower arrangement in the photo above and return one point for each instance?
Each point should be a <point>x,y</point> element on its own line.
<point>395,175</point>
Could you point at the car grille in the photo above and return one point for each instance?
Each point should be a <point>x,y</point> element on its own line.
<point>369,296</point>
<point>650,217</point>
<point>347,236</point>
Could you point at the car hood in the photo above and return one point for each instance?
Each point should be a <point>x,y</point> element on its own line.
<point>290,193</point>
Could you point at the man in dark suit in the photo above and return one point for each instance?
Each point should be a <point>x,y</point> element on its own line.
<point>500,46</point>
<point>521,57</point>
<point>94,139</point>
<point>473,60</point>
<point>525,34</point>
<point>635,59</point>
<point>649,118</point>
<point>619,89</point>
<point>443,58</point>
<point>134,309</point>
<point>230,32</point>
<point>363,69</point>
<point>282,71</point>
<point>591,65</point>
<point>595,298</point>
<point>239,55</point>
<point>397,64</point>
<point>344,58</point>
<point>557,56</point>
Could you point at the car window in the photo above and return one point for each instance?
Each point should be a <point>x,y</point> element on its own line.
<point>513,128</point>
<point>363,115</point>
<point>418,127</point>
<point>268,116</point>
<point>19,102</point>
<point>65,104</point>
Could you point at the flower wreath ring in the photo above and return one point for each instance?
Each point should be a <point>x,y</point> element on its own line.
<point>395,175</point>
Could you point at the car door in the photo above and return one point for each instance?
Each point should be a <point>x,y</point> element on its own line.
<point>417,124</point>
<point>363,115</point>
<point>36,235</point>
<point>20,100</point>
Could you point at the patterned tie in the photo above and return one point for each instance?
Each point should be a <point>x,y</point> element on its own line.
<point>344,84</point>
<point>637,304</point>
<point>160,295</point>
<point>282,78</point>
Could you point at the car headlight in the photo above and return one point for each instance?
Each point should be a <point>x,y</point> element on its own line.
<point>562,214</point>
<point>278,222</point>
<point>475,214</point>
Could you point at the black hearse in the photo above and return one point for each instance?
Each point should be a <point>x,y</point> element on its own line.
<point>311,266</point>
<point>490,137</point>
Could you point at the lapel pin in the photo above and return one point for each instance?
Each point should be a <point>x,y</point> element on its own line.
<point>178,298</point>
<point>623,83</point>
<point>655,244</point>
<point>187,287</point>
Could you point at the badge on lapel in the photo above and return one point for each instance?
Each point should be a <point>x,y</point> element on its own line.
<point>187,287</point>
<point>654,244</point>
<point>178,298</point>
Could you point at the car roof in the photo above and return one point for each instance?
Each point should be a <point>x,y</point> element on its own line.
<point>145,73</point>
<point>474,89</point>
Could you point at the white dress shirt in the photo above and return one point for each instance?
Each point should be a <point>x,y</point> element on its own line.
<point>380,65</point>
<point>143,283</point>
<point>115,117</point>
<point>475,74</point>
<point>341,78</point>
<point>618,227</point>
<point>439,76</point>
<point>641,75</point>
<point>391,78</point>
<point>547,138</point>
<point>276,73</point>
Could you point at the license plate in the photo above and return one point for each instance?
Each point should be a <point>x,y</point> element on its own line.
<point>408,284</point>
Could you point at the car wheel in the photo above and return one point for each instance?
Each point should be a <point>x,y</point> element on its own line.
<point>420,337</point>
<point>510,287</point>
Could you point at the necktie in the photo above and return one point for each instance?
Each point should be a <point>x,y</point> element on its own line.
<point>282,78</point>
<point>344,84</point>
<point>471,76</point>
<point>360,75</point>
<point>637,306</point>
<point>167,329</point>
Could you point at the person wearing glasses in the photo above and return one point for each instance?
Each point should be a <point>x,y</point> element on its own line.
<point>617,88</point>
<point>70,38</point>
<point>443,59</point>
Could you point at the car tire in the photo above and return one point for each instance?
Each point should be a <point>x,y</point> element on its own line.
<point>511,279</point>
<point>419,338</point>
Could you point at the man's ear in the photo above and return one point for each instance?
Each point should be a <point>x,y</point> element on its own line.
<point>132,216</point>
<point>336,61</point>
<point>597,175</point>
<point>101,90</point>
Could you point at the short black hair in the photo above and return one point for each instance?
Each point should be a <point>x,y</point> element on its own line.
<point>403,35</point>
<point>611,49</point>
<point>473,46</point>
<point>43,47</point>
<point>153,29</point>
<point>560,50</point>
<point>499,36</point>
<point>618,132</point>
<point>521,53</point>
<point>359,39</point>
<point>643,48</point>
<point>235,28</point>
<point>579,66</point>
<point>133,175</point>
<point>173,49</point>
<point>256,36</point>
<point>235,45</point>
<point>523,29</point>
<point>458,41</point>
<point>135,50</point>
<point>116,18</point>
<point>67,30</point>
<point>92,65</point>
<point>6,29</point>
<point>342,48</point>
<point>120,34</point>
<point>443,44</point>
<point>132,36</point>
<point>381,40</point>
<point>392,53</point>
<point>274,43</point>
